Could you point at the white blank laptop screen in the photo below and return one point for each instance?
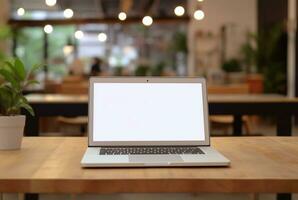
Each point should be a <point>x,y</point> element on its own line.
<point>148,112</point>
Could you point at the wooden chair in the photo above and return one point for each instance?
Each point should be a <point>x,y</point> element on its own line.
<point>52,87</point>
<point>229,89</point>
<point>224,122</point>
<point>73,79</point>
<point>76,87</point>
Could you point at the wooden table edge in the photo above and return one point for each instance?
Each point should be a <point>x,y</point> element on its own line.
<point>78,186</point>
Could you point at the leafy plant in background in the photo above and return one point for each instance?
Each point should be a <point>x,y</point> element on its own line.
<point>158,69</point>
<point>30,45</point>
<point>179,42</point>
<point>5,33</point>
<point>15,80</point>
<point>118,71</point>
<point>232,65</point>
<point>179,49</point>
<point>61,37</point>
<point>261,50</point>
<point>249,54</point>
<point>142,70</point>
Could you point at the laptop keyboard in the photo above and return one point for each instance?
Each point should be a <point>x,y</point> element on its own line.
<point>149,150</point>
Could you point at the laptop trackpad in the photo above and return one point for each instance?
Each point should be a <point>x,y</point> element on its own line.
<point>155,158</point>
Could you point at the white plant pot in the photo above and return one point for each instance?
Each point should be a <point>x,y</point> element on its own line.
<point>11,131</point>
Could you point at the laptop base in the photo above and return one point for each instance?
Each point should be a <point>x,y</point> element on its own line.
<point>210,157</point>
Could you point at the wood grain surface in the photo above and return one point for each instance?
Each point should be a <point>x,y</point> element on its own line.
<point>52,165</point>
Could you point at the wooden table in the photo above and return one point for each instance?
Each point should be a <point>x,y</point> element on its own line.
<point>237,105</point>
<point>52,165</point>
<point>281,107</point>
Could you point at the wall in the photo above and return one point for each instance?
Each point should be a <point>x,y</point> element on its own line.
<point>205,42</point>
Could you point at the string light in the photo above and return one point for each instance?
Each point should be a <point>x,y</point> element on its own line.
<point>51,2</point>
<point>79,34</point>
<point>102,37</point>
<point>68,13</point>
<point>48,28</point>
<point>21,11</point>
<point>179,11</point>
<point>122,16</point>
<point>147,20</point>
<point>199,15</point>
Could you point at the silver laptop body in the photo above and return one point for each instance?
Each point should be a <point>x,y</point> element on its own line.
<point>149,122</point>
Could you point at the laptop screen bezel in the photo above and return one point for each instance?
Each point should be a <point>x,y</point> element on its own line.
<point>93,80</point>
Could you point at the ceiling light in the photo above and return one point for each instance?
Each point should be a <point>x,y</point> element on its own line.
<point>102,37</point>
<point>200,0</point>
<point>199,15</point>
<point>68,13</point>
<point>48,29</point>
<point>79,34</point>
<point>21,11</point>
<point>147,20</point>
<point>51,2</point>
<point>122,16</point>
<point>179,11</point>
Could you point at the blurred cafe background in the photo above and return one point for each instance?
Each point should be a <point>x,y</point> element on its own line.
<point>241,47</point>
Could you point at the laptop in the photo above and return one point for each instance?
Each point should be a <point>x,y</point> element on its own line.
<point>149,122</point>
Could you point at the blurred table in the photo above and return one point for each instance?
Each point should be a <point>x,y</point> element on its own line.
<point>281,107</point>
<point>237,105</point>
<point>52,165</point>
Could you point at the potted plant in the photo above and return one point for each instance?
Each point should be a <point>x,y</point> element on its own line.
<point>233,70</point>
<point>14,79</point>
<point>179,47</point>
<point>158,70</point>
<point>142,70</point>
<point>261,58</point>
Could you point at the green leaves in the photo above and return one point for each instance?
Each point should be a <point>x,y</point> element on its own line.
<point>9,78</point>
<point>5,32</point>
<point>20,69</point>
<point>23,103</point>
<point>16,79</point>
<point>31,82</point>
<point>5,100</point>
